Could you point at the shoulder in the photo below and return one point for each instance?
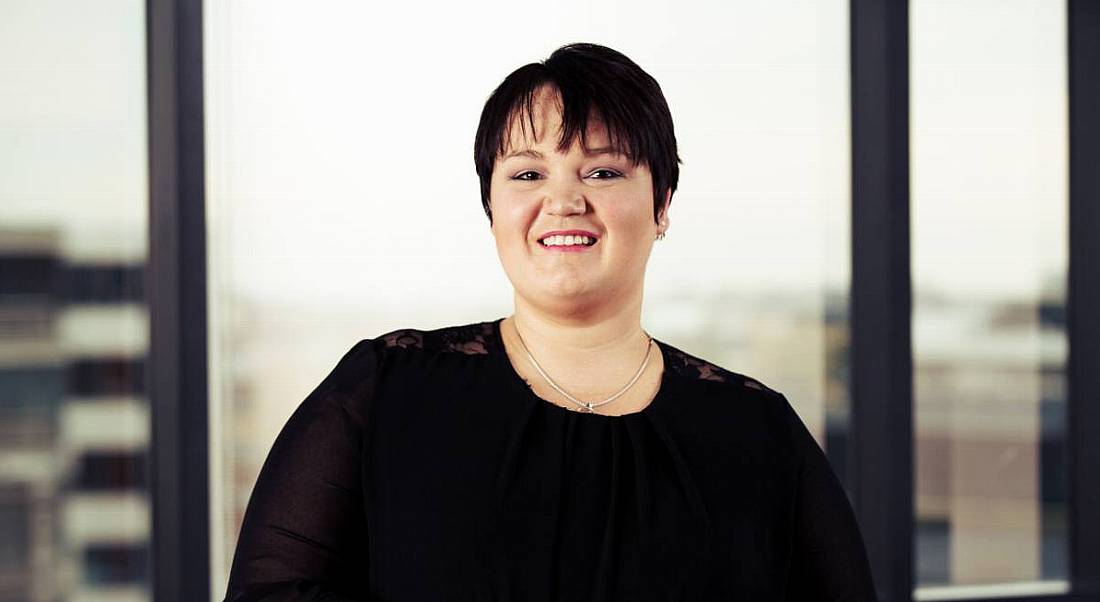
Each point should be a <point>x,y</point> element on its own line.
<point>357,375</point>
<point>713,376</point>
<point>727,397</point>
<point>723,409</point>
<point>467,339</point>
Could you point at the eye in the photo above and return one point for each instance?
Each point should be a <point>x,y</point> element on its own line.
<point>523,175</point>
<point>611,174</point>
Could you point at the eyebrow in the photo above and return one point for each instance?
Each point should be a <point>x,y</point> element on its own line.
<point>530,152</point>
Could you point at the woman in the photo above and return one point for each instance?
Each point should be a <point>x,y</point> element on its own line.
<point>560,453</point>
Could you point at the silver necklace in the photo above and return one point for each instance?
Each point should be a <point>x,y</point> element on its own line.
<point>587,406</point>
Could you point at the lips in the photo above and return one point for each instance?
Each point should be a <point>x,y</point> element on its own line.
<point>568,241</point>
<point>587,233</point>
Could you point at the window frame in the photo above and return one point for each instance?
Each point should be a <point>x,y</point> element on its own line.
<point>176,297</point>
<point>880,300</point>
<point>881,381</point>
<point>1083,296</point>
<point>881,312</point>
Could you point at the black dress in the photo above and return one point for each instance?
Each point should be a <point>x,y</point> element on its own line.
<point>424,468</point>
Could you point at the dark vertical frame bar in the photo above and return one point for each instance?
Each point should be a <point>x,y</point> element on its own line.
<point>1083,296</point>
<point>881,457</point>
<point>177,302</point>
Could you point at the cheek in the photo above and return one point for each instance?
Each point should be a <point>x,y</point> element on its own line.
<point>510,226</point>
<point>514,213</point>
<point>630,214</point>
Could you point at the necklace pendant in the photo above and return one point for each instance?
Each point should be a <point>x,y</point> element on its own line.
<point>588,406</point>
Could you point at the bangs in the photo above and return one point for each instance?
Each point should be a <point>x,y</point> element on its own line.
<point>577,116</point>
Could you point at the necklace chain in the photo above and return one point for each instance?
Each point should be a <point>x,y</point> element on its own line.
<point>587,406</point>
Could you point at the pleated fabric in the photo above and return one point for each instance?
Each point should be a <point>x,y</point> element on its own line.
<point>424,468</point>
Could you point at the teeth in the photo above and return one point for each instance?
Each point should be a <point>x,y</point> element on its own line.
<point>554,241</point>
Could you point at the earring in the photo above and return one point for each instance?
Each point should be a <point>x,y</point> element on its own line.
<point>660,236</point>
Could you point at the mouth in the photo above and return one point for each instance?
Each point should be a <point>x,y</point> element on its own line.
<point>568,244</point>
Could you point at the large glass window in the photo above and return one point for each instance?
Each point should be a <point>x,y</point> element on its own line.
<point>343,203</point>
<point>989,165</point>
<point>74,422</point>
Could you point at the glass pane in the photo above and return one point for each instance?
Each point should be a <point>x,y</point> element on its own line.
<point>989,161</point>
<point>74,418</point>
<point>343,203</point>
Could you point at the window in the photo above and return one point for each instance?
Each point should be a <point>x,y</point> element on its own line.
<point>73,206</point>
<point>89,377</point>
<point>115,564</point>
<point>15,519</point>
<point>989,235</point>
<point>103,283</point>
<point>111,470</point>
<point>324,229</point>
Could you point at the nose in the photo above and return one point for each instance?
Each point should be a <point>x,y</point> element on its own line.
<point>565,198</point>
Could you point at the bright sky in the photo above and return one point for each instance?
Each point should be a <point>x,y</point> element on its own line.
<point>72,123</point>
<point>340,138</point>
<point>344,134</point>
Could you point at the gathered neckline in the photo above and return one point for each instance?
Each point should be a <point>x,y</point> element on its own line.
<point>517,382</point>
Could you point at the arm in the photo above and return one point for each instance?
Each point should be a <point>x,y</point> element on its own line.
<point>304,534</point>
<point>829,561</point>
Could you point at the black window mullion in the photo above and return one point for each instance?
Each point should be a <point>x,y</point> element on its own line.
<point>1083,295</point>
<point>177,302</point>
<point>881,369</point>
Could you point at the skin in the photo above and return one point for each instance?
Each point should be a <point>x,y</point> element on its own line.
<point>579,313</point>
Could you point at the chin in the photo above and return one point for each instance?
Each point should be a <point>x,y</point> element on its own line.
<point>560,289</point>
<point>567,290</point>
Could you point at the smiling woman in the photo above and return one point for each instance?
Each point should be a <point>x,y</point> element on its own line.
<point>560,453</point>
<point>540,189</point>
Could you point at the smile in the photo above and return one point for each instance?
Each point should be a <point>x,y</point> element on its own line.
<point>568,244</point>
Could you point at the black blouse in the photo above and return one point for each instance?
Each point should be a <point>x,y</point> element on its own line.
<point>425,468</point>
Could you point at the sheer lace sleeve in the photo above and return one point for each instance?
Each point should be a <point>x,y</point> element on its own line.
<point>829,561</point>
<point>304,534</point>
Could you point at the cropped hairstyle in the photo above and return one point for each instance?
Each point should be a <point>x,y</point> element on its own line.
<point>593,81</point>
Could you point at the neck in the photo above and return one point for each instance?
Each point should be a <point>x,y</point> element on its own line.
<point>580,335</point>
<point>591,355</point>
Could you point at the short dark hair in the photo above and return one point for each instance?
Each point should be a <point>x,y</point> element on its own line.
<point>592,80</point>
